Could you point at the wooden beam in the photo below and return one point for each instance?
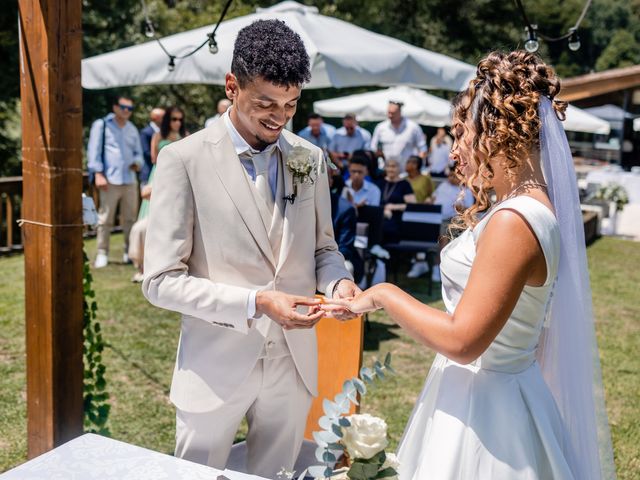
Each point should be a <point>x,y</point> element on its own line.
<point>50,54</point>
<point>594,84</point>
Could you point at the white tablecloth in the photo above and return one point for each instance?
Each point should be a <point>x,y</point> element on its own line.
<point>630,181</point>
<point>95,457</point>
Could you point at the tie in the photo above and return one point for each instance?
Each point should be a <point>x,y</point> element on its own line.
<point>261,165</point>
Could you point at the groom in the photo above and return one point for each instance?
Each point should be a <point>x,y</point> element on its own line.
<point>237,245</point>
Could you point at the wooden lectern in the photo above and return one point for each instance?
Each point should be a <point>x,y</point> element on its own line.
<point>339,359</point>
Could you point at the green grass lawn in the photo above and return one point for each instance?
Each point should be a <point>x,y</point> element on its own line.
<point>142,342</point>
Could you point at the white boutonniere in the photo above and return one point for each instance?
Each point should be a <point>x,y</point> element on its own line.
<point>301,164</point>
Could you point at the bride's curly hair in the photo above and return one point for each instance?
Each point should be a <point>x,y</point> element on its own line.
<point>502,104</point>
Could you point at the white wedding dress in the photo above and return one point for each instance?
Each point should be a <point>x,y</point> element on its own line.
<point>494,419</point>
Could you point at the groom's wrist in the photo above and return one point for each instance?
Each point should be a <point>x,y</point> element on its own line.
<point>335,286</point>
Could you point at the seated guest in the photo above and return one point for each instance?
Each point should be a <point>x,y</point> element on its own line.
<point>359,191</point>
<point>439,153</point>
<point>396,193</point>
<point>422,184</point>
<point>448,195</point>
<point>347,139</point>
<point>344,218</point>
<point>317,132</point>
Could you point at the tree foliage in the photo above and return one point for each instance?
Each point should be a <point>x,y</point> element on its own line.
<point>464,29</point>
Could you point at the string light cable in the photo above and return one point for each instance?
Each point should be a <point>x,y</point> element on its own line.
<point>531,44</point>
<point>150,32</point>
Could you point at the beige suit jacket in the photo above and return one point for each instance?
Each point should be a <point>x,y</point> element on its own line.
<point>207,248</point>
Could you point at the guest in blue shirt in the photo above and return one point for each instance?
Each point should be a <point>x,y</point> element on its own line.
<point>114,156</point>
<point>347,139</point>
<point>317,132</point>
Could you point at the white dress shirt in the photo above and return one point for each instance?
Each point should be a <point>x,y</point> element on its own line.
<point>399,143</point>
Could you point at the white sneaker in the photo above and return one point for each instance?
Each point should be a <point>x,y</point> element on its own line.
<point>125,259</point>
<point>137,277</point>
<point>418,269</point>
<point>102,260</point>
<point>435,275</point>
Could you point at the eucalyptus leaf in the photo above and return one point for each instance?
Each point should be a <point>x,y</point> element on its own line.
<point>318,439</point>
<point>329,457</point>
<point>387,360</point>
<point>320,453</point>
<point>360,386</point>
<point>326,422</point>
<point>326,437</point>
<point>343,402</point>
<point>336,447</point>
<point>344,422</point>
<point>379,371</point>
<point>350,391</point>
<point>337,430</point>
<point>330,409</point>
<point>318,471</point>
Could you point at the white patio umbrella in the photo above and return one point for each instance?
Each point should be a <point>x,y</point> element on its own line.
<point>429,110</point>
<point>342,55</point>
<point>580,121</point>
<point>418,105</point>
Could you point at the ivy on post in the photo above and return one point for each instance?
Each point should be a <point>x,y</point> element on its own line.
<point>96,406</point>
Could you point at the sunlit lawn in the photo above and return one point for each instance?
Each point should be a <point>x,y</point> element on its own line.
<point>142,342</point>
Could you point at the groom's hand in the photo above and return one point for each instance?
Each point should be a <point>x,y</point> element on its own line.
<point>281,308</point>
<point>346,289</point>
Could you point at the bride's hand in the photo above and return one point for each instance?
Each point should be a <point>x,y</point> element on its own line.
<point>362,303</point>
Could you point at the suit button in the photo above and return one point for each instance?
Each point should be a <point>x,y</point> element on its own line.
<point>270,344</point>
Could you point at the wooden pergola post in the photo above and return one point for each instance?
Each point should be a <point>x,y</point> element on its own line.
<point>51,94</point>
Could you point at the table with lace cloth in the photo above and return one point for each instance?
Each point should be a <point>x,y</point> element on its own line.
<point>95,457</point>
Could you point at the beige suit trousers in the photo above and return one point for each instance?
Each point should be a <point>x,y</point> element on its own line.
<point>276,403</point>
<point>127,197</point>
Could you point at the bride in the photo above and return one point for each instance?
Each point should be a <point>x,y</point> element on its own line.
<point>513,391</point>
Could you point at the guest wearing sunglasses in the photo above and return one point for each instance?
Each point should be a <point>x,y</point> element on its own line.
<point>114,156</point>
<point>171,129</point>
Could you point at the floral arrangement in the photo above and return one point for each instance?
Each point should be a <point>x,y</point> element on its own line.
<point>355,444</point>
<point>613,192</point>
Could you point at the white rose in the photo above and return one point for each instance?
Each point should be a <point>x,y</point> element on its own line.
<point>391,461</point>
<point>366,436</point>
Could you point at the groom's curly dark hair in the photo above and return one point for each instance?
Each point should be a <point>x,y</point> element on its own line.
<point>270,50</point>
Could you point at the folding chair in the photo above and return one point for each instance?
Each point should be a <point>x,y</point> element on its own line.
<point>419,233</point>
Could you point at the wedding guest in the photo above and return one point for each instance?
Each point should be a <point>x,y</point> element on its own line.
<point>318,132</point>
<point>114,156</point>
<point>448,196</point>
<point>223,106</point>
<point>347,139</point>
<point>146,134</point>
<point>345,219</point>
<point>421,183</point>
<point>398,137</point>
<point>396,193</point>
<point>358,190</point>
<point>171,129</point>
<point>439,153</point>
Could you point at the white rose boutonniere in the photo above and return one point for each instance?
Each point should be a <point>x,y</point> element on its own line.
<point>301,164</point>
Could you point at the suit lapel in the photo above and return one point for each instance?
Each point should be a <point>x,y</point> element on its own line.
<point>290,210</point>
<point>236,183</point>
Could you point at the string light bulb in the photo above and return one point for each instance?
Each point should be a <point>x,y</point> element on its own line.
<point>213,45</point>
<point>149,31</point>
<point>531,44</point>
<point>574,40</point>
<point>172,64</point>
